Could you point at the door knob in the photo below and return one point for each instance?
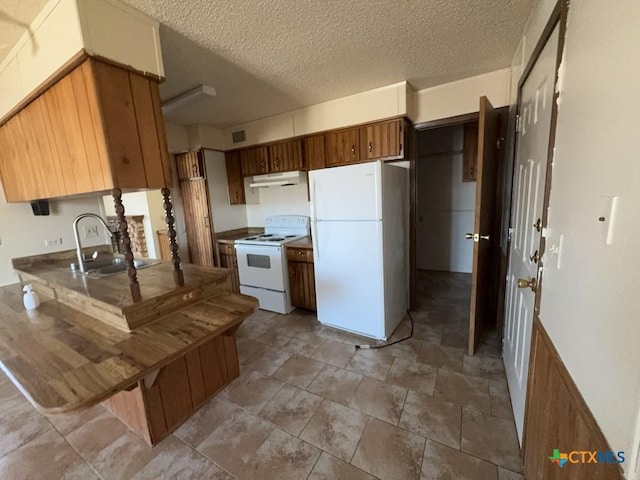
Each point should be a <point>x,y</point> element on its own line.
<point>538,225</point>
<point>535,257</point>
<point>484,237</point>
<point>468,236</point>
<point>532,284</point>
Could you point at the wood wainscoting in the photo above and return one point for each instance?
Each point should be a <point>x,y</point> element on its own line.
<point>558,417</point>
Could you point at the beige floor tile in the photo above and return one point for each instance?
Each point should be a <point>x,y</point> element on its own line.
<point>68,422</point>
<point>247,348</point>
<point>329,467</point>
<point>335,429</point>
<point>299,371</point>
<point>484,366</point>
<point>451,338</point>
<point>174,459</point>
<point>504,474</point>
<point>491,438</point>
<point>407,349</point>
<point>95,435</point>
<point>252,329</point>
<point>412,375</point>
<point>432,418</point>
<point>304,344</point>
<point>19,421</point>
<point>379,399</point>
<point>464,390</point>
<point>252,391</point>
<point>235,441</point>
<point>291,409</point>
<point>335,384</point>
<point>267,360</point>
<point>500,400</point>
<point>200,425</point>
<point>276,337</point>
<point>442,357</point>
<point>444,463</point>
<point>215,473</point>
<point>334,352</point>
<point>388,452</point>
<point>283,457</point>
<point>427,333</point>
<point>373,363</point>
<point>45,457</point>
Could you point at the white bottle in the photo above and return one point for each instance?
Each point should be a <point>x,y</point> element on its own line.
<point>31,300</point>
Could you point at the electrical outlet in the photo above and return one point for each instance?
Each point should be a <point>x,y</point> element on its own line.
<point>53,242</point>
<point>91,231</point>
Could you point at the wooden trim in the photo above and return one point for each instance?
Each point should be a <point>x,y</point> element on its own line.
<point>447,122</point>
<point>69,65</point>
<point>560,418</point>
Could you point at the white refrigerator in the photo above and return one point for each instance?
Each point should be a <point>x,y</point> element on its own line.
<point>359,224</point>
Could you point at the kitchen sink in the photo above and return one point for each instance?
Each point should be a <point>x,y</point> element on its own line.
<point>101,268</point>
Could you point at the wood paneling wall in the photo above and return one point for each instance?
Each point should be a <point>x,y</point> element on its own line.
<point>558,417</point>
<point>195,201</point>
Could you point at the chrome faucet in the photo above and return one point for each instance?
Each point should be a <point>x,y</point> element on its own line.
<point>81,257</point>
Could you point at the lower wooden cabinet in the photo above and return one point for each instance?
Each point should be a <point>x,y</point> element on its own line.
<point>228,259</point>
<point>301,278</point>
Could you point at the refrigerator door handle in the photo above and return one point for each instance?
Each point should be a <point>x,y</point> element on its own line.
<point>315,240</point>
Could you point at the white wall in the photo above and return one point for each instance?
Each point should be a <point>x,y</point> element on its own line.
<point>462,96</point>
<point>147,203</point>
<point>23,234</point>
<point>590,302</point>
<point>446,204</point>
<point>225,216</point>
<point>177,138</point>
<point>290,200</point>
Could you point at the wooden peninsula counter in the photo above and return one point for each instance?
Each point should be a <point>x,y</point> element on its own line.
<point>153,373</point>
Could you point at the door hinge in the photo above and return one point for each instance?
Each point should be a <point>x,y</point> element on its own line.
<point>517,123</point>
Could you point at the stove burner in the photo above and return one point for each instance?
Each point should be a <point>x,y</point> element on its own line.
<point>290,236</point>
<point>251,238</point>
<point>276,239</point>
<point>265,235</point>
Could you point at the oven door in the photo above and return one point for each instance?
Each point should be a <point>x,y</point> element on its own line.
<point>261,266</point>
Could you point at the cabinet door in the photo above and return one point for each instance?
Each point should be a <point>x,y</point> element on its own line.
<point>342,147</point>
<point>380,140</point>
<point>254,161</point>
<point>189,165</point>
<point>286,156</point>
<point>302,285</point>
<point>230,261</point>
<point>470,152</point>
<point>235,181</point>
<point>195,202</point>
<point>314,152</point>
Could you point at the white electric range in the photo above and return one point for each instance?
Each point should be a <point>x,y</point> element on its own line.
<point>262,261</point>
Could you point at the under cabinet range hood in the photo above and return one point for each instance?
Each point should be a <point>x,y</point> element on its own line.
<point>282,179</point>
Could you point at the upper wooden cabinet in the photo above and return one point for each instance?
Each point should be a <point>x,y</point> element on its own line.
<point>342,147</point>
<point>285,156</point>
<point>314,152</point>
<point>254,161</point>
<point>190,165</point>
<point>99,127</point>
<point>235,181</point>
<point>381,140</point>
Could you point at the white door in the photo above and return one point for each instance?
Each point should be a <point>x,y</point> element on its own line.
<point>348,273</point>
<point>528,192</point>
<point>353,192</point>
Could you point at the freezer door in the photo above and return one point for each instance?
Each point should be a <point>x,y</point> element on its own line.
<point>353,192</point>
<point>349,277</point>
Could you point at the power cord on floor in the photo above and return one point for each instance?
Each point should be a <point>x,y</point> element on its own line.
<point>367,347</point>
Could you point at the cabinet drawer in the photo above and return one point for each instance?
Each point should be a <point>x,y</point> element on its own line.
<point>300,255</point>
<point>226,248</point>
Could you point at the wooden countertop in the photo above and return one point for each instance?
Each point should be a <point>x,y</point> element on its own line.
<point>62,359</point>
<point>302,243</point>
<point>230,236</point>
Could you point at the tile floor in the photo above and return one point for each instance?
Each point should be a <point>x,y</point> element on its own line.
<point>306,406</point>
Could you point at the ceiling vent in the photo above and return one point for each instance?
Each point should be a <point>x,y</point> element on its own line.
<point>239,136</point>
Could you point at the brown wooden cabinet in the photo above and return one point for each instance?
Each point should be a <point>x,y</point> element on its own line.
<point>235,181</point>
<point>301,278</point>
<point>470,152</point>
<point>190,165</point>
<point>285,156</point>
<point>381,140</point>
<point>254,161</point>
<point>98,127</point>
<point>314,152</point>
<point>195,203</point>
<point>342,147</point>
<point>228,259</point>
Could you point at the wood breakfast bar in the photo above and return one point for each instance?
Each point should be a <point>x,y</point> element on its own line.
<point>152,363</point>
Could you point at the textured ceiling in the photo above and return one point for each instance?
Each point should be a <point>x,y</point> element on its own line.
<point>270,56</point>
<point>15,17</point>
